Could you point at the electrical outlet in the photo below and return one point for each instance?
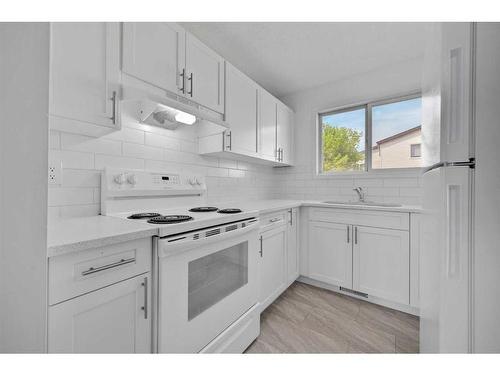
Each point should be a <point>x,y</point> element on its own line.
<point>55,173</point>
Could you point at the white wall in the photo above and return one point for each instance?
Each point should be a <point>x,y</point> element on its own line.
<point>301,181</point>
<point>24,73</point>
<point>139,146</point>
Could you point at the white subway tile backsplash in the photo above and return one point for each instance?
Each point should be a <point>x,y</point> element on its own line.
<point>73,159</point>
<point>102,161</point>
<point>156,140</point>
<point>81,178</point>
<point>70,196</point>
<point>141,151</point>
<point>75,142</point>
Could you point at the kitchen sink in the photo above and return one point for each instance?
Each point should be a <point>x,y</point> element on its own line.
<point>371,204</point>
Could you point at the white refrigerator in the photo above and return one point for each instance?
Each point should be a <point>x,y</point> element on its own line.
<point>460,236</point>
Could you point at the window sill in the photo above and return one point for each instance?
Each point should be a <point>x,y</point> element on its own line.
<point>389,172</point>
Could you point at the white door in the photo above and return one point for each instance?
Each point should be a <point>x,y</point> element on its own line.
<point>381,263</point>
<point>204,75</point>
<point>154,53</point>
<point>267,125</point>
<point>292,246</point>
<point>272,265</point>
<point>330,253</point>
<point>85,72</point>
<point>284,128</point>
<point>114,319</point>
<point>241,111</point>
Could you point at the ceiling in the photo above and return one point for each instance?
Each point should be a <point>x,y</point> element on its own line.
<point>289,57</point>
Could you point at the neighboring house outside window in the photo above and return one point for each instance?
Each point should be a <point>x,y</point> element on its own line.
<point>392,152</point>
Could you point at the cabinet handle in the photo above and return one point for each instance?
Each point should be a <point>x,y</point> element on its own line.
<point>291,216</point>
<point>183,75</point>
<point>261,252</point>
<point>348,230</point>
<point>190,79</point>
<point>274,220</point>
<point>229,140</point>
<point>145,307</point>
<point>115,102</point>
<point>121,262</point>
<point>355,235</point>
<point>281,155</point>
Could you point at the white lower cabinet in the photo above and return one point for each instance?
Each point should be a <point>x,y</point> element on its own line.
<point>330,253</point>
<point>114,319</point>
<point>292,263</point>
<point>273,277</point>
<point>374,261</point>
<point>381,263</point>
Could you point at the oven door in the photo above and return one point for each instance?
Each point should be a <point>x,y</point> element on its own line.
<point>205,283</point>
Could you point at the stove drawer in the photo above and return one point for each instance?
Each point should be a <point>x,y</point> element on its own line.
<point>81,272</point>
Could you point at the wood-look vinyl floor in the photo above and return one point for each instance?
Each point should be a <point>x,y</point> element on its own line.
<point>307,319</point>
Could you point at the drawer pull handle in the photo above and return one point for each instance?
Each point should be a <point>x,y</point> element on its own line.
<point>121,262</point>
<point>274,220</point>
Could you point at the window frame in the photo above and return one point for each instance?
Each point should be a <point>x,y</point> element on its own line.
<point>368,105</point>
<point>419,150</point>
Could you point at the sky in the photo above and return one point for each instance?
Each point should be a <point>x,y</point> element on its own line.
<point>387,119</point>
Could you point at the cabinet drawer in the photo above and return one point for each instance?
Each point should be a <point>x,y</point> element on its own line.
<point>74,274</point>
<point>273,220</point>
<point>379,219</point>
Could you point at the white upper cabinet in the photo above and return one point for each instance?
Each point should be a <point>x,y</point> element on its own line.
<point>284,133</point>
<point>204,75</point>
<point>267,125</point>
<point>154,52</point>
<point>85,72</point>
<point>241,111</point>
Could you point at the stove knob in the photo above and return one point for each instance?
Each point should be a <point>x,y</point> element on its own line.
<point>132,179</point>
<point>120,179</point>
<point>193,181</point>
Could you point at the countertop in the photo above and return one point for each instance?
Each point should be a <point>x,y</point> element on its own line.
<point>75,234</point>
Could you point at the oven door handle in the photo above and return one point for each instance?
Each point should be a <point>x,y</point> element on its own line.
<point>166,249</point>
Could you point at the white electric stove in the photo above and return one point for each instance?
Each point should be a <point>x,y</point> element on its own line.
<point>205,260</point>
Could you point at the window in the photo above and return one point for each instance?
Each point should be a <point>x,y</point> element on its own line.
<point>376,135</point>
<point>415,151</point>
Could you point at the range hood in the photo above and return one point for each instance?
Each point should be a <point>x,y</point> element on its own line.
<point>168,110</point>
<point>158,114</point>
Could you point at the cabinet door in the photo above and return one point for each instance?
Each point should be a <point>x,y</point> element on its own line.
<point>330,253</point>
<point>154,53</point>
<point>267,125</point>
<point>241,111</point>
<point>205,75</point>
<point>115,319</point>
<point>85,71</point>
<point>272,265</point>
<point>284,123</point>
<point>292,246</point>
<point>381,263</point>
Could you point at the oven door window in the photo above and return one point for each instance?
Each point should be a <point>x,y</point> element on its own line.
<point>216,276</point>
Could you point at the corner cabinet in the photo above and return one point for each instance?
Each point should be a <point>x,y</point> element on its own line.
<point>84,74</point>
<point>115,319</point>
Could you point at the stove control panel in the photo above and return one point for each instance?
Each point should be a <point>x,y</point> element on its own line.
<point>119,182</point>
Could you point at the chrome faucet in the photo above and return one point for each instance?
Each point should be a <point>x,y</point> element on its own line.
<point>360,192</point>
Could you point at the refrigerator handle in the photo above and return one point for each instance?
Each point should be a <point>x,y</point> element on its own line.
<point>471,164</point>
